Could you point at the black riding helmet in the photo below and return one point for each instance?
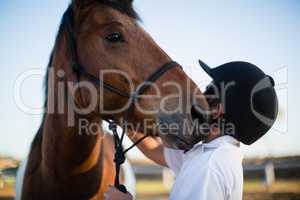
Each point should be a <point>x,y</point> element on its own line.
<point>248,96</point>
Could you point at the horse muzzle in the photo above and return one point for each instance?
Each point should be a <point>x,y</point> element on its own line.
<point>183,131</point>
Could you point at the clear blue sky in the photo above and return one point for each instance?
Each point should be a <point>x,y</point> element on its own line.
<point>266,33</point>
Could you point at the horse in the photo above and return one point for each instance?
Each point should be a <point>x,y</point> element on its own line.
<point>67,161</point>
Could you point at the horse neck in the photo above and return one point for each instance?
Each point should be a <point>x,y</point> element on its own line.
<point>72,163</point>
<point>69,149</point>
<point>66,162</point>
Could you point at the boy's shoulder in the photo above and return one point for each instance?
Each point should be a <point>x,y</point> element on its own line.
<point>227,158</point>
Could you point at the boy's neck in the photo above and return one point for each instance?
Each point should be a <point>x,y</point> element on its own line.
<point>213,134</point>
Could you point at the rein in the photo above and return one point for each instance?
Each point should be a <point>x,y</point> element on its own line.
<point>81,71</point>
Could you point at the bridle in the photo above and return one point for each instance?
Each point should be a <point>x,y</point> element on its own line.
<point>81,71</point>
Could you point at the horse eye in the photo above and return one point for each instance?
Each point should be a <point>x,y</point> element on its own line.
<point>115,37</point>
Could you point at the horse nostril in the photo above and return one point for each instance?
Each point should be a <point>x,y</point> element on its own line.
<point>199,114</point>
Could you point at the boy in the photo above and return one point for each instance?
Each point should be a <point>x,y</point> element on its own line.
<point>244,106</point>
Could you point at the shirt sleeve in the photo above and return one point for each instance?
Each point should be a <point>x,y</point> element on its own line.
<point>174,159</point>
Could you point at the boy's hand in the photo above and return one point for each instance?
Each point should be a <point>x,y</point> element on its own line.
<point>114,194</point>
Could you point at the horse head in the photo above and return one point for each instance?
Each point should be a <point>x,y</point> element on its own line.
<point>106,41</point>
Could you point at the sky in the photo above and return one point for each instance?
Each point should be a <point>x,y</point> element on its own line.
<point>266,33</point>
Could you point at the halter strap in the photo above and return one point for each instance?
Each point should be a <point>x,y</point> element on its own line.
<point>152,78</point>
<point>82,71</point>
<point>156,75</point>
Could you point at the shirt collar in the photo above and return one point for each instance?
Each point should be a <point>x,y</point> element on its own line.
<point>220,140</point>
<point>216,143</point>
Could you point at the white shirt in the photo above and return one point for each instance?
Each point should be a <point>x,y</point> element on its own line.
<point>210,171</point>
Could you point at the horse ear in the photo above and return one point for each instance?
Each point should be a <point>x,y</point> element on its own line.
<point>120,1</point>
<point>81,3</point>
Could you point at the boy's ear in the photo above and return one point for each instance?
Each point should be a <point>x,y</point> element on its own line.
<point>217,111</point>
